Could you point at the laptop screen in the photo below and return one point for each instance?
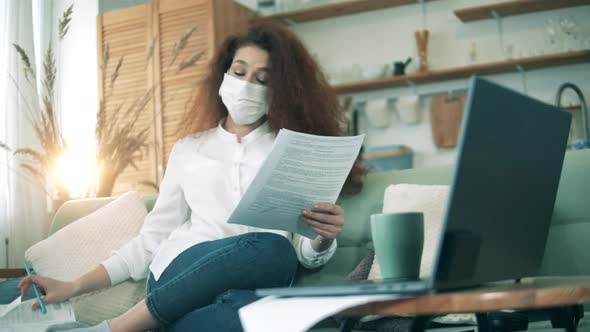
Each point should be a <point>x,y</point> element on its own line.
<point>504,187</point>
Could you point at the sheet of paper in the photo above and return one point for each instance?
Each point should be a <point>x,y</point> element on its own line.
<point>6,308</point>
<point>298,314</point>
<point>23,318</point>
<point>300,171</point>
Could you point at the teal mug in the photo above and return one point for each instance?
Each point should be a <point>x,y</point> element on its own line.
<point>398,239</point>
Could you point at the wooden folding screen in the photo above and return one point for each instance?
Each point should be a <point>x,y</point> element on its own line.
<point>145,37</point>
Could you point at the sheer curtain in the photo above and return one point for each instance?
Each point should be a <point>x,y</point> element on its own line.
<point>23,210</point>
<point>4,155</point>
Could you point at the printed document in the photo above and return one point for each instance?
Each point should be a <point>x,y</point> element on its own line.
<point>299,314</point>
<point>19,316</point>
<point>300,171</point>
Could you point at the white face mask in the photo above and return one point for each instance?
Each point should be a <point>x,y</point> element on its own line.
<point>245,101</point>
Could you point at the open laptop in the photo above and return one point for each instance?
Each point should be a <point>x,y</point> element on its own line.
<point>501,201</point>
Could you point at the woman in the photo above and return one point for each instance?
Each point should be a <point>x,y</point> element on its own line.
<point>201,269</point>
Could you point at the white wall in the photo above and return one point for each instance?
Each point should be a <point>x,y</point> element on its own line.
<point>77,80</point>
<point>384,36</point>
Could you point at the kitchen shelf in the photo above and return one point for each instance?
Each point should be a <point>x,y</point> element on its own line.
<point>333,10</point>
<point>517,7</point>
<point>499,67</point>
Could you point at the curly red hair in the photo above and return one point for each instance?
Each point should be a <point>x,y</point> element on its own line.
<point>300,98</point>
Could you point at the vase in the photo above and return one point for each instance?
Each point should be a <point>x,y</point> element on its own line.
<point>422,42</point>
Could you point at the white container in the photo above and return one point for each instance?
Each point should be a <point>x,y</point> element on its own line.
<point>407,109</point>
<point>378,113</point>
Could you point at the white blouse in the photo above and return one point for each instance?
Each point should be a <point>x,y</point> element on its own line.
<point>206,176</point>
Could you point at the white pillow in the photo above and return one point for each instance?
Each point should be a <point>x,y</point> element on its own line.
<point>432,201</point>
<point>80,246</point>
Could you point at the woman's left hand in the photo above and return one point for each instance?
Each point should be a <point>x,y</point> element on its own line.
<point>326,219</point>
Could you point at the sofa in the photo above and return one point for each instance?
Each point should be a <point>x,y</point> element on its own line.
<point>567,251</point>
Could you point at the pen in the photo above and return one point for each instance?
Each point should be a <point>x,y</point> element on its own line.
<point>41,304</point>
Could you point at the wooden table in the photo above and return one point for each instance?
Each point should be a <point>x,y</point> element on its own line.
<point>530,293</point>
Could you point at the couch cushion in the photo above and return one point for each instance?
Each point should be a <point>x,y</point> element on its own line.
<point>432,201</point>
<point>75,209</point>
<point>82,245</point>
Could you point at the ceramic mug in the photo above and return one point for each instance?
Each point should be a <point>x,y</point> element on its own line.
<point>398,239</point>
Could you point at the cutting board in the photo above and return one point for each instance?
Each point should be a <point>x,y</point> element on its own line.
<point>446,113</point>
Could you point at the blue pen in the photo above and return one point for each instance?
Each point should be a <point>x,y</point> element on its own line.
<point>41,304</point>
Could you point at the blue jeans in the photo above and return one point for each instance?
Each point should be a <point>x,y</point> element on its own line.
<point>203,288</point>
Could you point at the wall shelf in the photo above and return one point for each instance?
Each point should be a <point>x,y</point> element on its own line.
<point>499,67</point>
<point>342,8</point>
<point>572,107</point>
<point>517,7</point>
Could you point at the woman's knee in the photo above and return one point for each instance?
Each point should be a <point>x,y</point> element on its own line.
<point>277,246</point>
<point>276,254</point>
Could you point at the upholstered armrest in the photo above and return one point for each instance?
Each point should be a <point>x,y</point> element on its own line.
<point>75,209</point>
<point>12,273</point>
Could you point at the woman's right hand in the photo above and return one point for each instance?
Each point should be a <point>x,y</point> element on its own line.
<point>51,290</point>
